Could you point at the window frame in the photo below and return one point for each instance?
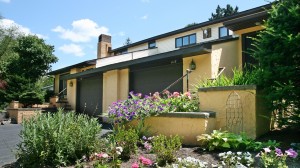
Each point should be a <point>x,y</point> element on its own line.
<point>208,35</point>
<point>227,32</point>
<point>151,42</point>
<point>189,40</point>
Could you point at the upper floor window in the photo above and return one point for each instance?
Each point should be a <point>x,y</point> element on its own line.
<point>224,32</point>
<point>207,33</point>
<point>151,44</point>
<point>123,51</point>
<point>185,40</point>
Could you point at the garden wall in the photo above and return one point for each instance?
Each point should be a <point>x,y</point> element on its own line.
<point>185,124</point>
<point>255,117</point>
<point>18,114</point>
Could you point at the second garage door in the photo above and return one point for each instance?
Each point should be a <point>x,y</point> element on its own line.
<point>89,95</point>
<point>155,77</point>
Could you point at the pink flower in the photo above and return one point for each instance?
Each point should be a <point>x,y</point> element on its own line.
<point>291,153</point>
<point>135,165</point>
<point>147,146</point>
<point>176,94</point>
<point>267,150</point>
<point>145,161</point>
<point>102,155</point>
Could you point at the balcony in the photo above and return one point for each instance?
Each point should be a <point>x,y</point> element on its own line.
<point>126,57</point>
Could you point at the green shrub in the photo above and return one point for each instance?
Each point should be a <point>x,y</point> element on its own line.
<point>165,148</point>
<point>51,140</point>
<point>224,141</point>
<point>239,78</point>
<point>30,98</point>
<point>127,139</point>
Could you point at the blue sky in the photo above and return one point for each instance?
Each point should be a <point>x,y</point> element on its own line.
<point>73,26</point>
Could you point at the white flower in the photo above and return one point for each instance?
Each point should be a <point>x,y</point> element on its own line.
<point>221,154</point>
<point>239,153</point>
<point>229,153</point>
<point>119,150</point>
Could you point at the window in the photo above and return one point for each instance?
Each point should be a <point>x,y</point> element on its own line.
<point>207,33</point>
<point>120,52</point>
<point>151,44</point>
<point>224,32</point>
<point>185,40</point>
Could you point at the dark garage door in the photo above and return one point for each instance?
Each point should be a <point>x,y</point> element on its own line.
<point>153,77</point>
<point>89,95</point>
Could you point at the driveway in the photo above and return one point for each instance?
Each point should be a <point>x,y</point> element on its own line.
<point>9,138</point>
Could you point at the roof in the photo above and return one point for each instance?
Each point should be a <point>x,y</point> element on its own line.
<point>197,49</point>
<point>79,65</point>
<point>199,25</point>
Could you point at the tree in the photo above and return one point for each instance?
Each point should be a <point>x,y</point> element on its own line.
<point>278,54</point>
<point>127,41</point>
<point>223,12</point>
<point>34,59</point>
<point>191,24</point>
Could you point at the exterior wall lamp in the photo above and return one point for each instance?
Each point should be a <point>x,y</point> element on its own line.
<point>192,65</point>
<point>71,84</point>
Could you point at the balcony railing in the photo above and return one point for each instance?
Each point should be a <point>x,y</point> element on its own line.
<point>125,57</point>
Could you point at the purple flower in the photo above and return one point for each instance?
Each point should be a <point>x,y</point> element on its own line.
<point>291,153</point>
<point>278,152</point>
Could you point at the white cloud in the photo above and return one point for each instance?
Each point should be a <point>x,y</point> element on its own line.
<point>72,49</point>
<point>82,31</point>
<point>7,24</point>
<point>144,17</point>
<point>145,1</point>
<point>121,33</point>
<point>5,1</point>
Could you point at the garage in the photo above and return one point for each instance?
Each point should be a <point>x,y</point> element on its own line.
<point>156,76</point>
<point>89,95</point>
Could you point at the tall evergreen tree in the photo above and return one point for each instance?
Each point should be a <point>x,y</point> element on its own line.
<point>278,54</point>
<point>223,12</point>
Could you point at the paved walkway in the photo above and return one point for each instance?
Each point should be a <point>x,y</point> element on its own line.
<point>9,138</point>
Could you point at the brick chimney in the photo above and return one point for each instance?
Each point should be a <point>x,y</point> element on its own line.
<point>104,46</point>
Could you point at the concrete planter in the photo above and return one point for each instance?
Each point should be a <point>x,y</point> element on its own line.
<point>17,115</point>
<point>188,125</point>
<point>256,118</point>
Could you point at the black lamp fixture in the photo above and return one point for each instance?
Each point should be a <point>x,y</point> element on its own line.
<point>71,84</point>
<point>192,65</point>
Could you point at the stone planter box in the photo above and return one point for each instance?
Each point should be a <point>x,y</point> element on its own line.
<point>188,125</point>
<point>20,114</point>
<point>246,99</point>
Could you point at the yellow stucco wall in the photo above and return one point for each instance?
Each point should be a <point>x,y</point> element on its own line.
<point>202,72</point>
<point>185,127</point>
<point>224,55</point>
<point>240,33</point>
<point>115,87</point>
<point>255,117</point>
<point>72,90</point>
<point>56,84</point>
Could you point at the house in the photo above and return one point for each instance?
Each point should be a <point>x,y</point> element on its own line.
<point>154,63</point>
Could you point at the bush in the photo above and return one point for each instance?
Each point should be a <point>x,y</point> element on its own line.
<point>137,107</point>
<point>30,98</point>
<point>165,148</point>
<point>52,140</point>
<point>225,141</point>
<point>239,78</point>
<point>127,139</point>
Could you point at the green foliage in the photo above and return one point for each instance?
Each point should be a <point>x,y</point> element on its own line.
<point>223,12</point>
<point>224,141</point>
<point>278,54</point>
<point>127,41</point>
<point>165,148</point>
<point>52,140</point>
<point>127,139</point>
<point>30,98</point>
<point>239,78</point>
<point>191,24</point>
